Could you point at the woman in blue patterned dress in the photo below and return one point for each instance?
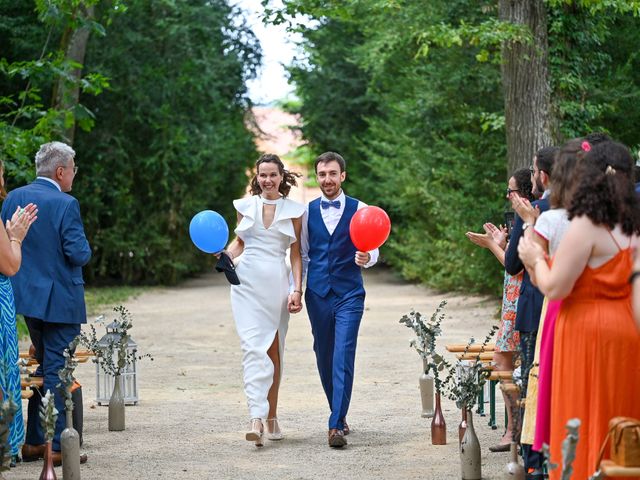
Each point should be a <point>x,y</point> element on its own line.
<point>11,237</point>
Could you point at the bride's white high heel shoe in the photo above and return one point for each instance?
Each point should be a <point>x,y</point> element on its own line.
<point>255,434</point>
<point>273,429</point>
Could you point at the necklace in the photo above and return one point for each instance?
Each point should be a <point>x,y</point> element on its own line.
<point>267,201</point>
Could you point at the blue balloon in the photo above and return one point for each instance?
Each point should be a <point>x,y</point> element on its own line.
<point>209,232</point>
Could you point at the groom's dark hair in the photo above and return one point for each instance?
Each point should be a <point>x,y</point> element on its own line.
<point>330,157</point>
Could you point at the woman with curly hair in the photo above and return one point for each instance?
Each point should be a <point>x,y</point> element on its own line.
<point>268,224</point>
<point>596,362</point>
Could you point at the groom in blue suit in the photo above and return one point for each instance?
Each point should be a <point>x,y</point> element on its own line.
<point>49,289</point>
<point>335,292</point>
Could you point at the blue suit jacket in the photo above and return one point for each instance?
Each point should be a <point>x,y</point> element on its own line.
<point>49,285</point>
<point>531,299</point>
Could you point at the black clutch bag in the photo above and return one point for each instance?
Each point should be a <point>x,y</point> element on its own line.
<point>225,264</point>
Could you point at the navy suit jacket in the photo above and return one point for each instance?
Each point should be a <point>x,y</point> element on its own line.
<point>531,299</point>
<point>49,285</point>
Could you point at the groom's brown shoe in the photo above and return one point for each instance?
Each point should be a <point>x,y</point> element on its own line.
<point>31,453</point>
<point>57,458</point>
<point>336,438</point>
<point>345,428</point>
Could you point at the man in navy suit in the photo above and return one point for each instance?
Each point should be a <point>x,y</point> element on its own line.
<point>531,299</point>
<point>49,289</point>
<point>335,292</point>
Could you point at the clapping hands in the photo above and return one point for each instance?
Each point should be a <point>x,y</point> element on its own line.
<point>524,209</point>
<point>492,234</point>
<point>21,221</point>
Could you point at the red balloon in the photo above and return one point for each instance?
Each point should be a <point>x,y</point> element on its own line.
<point>369,228</point>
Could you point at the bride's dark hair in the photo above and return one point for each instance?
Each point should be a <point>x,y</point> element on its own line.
<point>288,178</point>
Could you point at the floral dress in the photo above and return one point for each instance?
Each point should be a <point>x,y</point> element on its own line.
<point>508,338</point>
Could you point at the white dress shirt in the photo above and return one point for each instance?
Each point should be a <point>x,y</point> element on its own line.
<point>52,181</point>
<point>331,216</point>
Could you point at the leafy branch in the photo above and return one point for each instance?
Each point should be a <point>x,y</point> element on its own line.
<point>48,416</point>
<point>111,352</point>
<point>425,341</point>
<point>65,374</point>
<point>469,378</point>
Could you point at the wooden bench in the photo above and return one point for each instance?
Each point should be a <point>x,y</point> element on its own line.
<point>484,354</point>
<point>28,382</point>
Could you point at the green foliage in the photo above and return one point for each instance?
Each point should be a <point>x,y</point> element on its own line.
<point>161,120</point>
<point>29,67</point>
<point>21,326</point>
<point>411,94</point>
<point>98,298</point>
<point>170,138</point>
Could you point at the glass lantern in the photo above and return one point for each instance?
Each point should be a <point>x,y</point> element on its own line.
<point>105,381</point>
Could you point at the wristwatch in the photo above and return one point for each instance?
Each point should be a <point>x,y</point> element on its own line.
<point>526,225</point>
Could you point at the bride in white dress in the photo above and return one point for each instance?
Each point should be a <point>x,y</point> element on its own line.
<point>268,224</point>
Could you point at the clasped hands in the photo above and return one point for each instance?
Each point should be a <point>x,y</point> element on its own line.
<point>294,301</point>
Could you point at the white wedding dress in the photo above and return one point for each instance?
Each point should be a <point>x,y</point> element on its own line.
<point>259,303</point>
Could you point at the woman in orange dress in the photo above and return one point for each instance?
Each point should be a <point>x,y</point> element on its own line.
<point>596,364</point>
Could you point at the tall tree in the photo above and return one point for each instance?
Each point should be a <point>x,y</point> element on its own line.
<point>525,80</point>
<point>66,93</point>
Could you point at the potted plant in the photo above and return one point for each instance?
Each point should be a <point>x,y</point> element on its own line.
<point>113,356</point>
<point>48,417</point>
<point>464,383</point>
<point>433,365</point>
<point>69,438</point>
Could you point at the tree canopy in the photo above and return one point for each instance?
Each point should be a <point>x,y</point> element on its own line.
<point>411,94</point>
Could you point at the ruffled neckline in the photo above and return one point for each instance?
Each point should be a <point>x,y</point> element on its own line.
<point>251,210</point>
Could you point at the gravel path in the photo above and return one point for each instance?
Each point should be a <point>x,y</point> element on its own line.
<point>192,415</point>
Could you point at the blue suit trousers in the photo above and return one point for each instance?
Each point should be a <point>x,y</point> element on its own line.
<point>335,322</point>
<point>49,339</point>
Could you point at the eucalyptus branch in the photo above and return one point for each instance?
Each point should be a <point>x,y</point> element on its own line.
<point>113,355</point>
<point>469,379</point>
<point>425,341</point>
<point>48,416</point>
<point>65,374</point>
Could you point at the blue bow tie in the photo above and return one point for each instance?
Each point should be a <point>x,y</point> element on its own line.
<point>334,203</point>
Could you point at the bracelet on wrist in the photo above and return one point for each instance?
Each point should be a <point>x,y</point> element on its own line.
<point>634,276</point>
<point>19,242</point>
<point>298,291</point>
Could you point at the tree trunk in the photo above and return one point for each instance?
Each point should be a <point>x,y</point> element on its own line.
<point>525,81</point>
<point>66,94</point>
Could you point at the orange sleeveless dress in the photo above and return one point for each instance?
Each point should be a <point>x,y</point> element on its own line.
<point>596,363</point>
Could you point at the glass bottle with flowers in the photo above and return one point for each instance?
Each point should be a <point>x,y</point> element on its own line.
<point>433,365</point>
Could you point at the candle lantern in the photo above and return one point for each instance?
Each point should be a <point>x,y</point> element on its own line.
<point>105,381</point>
